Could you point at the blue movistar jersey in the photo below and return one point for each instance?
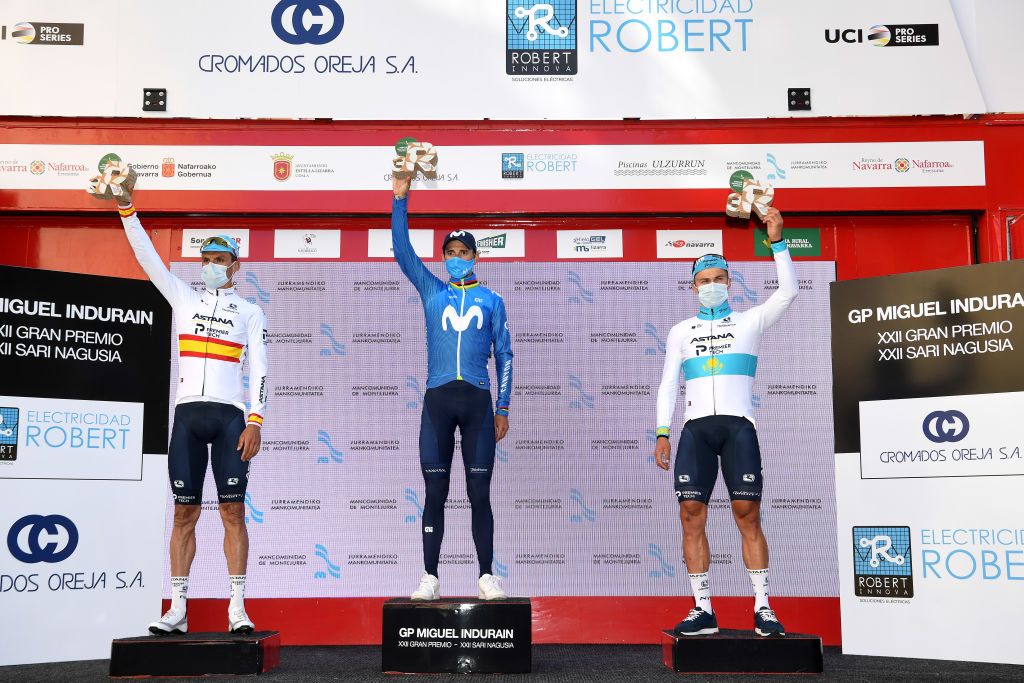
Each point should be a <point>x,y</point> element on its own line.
<point>464,320</point>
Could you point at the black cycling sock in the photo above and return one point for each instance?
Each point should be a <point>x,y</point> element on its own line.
<point>479,490</point>
<point>433,520</point>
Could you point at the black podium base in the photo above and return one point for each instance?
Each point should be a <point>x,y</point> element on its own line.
<point>195,654</point>
<point>736,652</point>
<point>457,635</point>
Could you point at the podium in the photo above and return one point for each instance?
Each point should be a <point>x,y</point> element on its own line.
<point>195,654</point>
<point>734,652</point>
<point>457,635</point>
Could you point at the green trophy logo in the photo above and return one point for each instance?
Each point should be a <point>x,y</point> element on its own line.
<point>414,157</point>
<point>116,179</point>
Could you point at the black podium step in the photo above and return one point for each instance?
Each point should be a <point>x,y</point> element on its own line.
<point>457,635</point>
<point>736,652</point>
<point>195,654</point>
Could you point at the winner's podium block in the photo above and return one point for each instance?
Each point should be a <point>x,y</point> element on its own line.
<point>456,635</point>
<point>733,652</point>
<point>195,654</point>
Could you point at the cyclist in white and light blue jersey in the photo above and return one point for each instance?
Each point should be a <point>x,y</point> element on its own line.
<point>716,353</point>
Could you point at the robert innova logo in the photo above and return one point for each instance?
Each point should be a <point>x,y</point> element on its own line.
<point>882,564</point>
<point>540,38</point>
<point>8,434</point>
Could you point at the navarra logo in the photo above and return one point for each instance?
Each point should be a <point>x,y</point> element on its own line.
<point>902,165</point>
<point>167,168</point>
<point>8,434</point>
<point>540,38</point>
<point>882,562</point>
<point>282,166</point>
<point>37,167</point>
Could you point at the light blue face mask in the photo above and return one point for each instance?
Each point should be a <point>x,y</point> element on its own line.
<point>215,275</point>
<point>459,268</point>
<point>712,295</point>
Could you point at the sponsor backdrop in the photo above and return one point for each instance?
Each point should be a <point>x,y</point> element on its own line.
<point>928,379</point>
<point>335,498</point>
<point>485,167</point>
<point>83,362</point>
<point>567,59</point>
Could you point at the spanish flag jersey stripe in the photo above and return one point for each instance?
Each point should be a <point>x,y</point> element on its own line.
<point>223,342</point>
<point>217,349</point>
<point>212,356</point>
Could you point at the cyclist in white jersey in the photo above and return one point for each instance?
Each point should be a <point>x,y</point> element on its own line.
<point>716,351</point>
<point>217,331</point>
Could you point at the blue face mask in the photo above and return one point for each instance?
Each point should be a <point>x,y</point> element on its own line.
<point>712,295</point>
<point>459,268</point>
<point>215,275</point>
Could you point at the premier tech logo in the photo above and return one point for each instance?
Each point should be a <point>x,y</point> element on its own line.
<point>882,562</point>
<point>540,38</point>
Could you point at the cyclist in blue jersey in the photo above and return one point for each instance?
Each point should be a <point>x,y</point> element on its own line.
<point>716,352</point>
<point>464,321</point>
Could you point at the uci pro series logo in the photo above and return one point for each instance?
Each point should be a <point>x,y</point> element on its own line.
<point>946,426</point>
<point>39,538</point>
<point>307,22</point>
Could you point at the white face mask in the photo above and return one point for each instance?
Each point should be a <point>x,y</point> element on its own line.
<point>712,295</point>
<point>215,275</point>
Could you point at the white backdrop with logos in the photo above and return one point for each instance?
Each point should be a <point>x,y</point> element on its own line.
<point>335,499</point>
<point>511,59</point>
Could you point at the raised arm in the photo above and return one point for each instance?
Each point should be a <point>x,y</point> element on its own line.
<point>173,289</point>
<point>420,276</point>
<point>771,310</point>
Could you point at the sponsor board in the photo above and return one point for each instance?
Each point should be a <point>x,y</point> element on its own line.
<point>192,240</point>
<point>573,244</point>
<point>379,243</point>
<point>319,244</point>
<point>688,244</point>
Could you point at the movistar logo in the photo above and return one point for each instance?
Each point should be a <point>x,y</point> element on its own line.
<point>713,337</point>
<point>494,242</point>
<point>460,323</point>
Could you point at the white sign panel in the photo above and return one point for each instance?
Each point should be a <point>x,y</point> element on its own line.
<point>319,244</point>
<point>63,439</point>
<point>589,244</point>
<point>483,167</point>
<point>501,243</point>
<point>192,239</point>
<point>908,551</point>
<point>688,244</point>
<point>945,436</point>
<point>561,59</point>
<point>380,243</point>
<point>80,557</point>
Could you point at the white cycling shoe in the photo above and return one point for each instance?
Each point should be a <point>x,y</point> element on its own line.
<point>490,589</point>
<point>173,621</point>
<point>429,588</point>
<point>239,622</point>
